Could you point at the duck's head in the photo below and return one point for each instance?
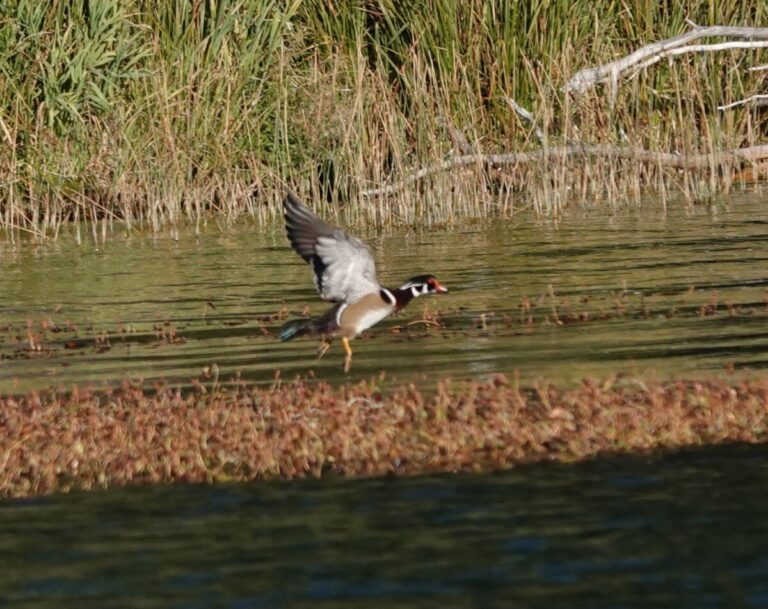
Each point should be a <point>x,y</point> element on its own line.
<point>424,284</point>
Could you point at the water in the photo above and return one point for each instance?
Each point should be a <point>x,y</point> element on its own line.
<point>157,308</point>
<point>663,294</point>
<point>684,530</point>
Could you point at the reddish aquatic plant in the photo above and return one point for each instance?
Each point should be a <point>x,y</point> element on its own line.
<point>132,434</point>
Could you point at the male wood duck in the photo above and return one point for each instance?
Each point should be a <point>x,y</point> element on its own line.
<point>345,273</point>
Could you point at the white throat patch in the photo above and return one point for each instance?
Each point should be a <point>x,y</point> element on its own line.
<point>388,297</point>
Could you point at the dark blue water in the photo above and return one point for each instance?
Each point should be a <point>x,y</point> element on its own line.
<point>682,530</point>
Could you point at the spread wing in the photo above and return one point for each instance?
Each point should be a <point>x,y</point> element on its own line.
<point>344,267</point>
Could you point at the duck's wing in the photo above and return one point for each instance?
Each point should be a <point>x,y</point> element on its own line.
<point>344,267</point>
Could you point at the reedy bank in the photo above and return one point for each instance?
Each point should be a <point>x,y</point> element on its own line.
<point>158,114</point>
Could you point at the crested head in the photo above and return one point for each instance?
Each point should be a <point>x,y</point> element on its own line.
<point>424,284</point>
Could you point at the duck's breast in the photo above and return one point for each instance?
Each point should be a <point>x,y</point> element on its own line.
<point>364,313</point>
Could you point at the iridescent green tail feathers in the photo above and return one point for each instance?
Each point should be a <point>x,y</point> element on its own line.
<point>294,328</point>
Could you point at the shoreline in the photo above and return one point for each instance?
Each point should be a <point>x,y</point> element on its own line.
<point>137,435</point>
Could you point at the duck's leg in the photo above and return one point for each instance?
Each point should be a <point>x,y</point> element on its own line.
<point>348,356</point>
<point>324,346</point>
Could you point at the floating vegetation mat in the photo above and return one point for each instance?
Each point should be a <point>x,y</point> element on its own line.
<point>136,434</point>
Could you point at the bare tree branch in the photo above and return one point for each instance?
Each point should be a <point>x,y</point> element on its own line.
<point>701,48</point>
<point>529,118</point>
<point>610,72</point>
<point>756,99</point>
<point>587,78</point>
<point>692,161</point>
<point>458,138</point>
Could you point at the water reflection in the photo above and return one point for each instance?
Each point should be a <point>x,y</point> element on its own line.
<point>685,530</point>
<point>154,307</point>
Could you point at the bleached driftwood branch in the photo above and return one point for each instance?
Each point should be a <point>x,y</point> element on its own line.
<point>459,140</point>
<point>666,159</point>
<point>701,48</point>
<point>587,78</point>
<point>757,99</point>
<point>528,118</point>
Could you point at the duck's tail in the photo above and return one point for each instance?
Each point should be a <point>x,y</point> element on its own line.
<point>294,328</point>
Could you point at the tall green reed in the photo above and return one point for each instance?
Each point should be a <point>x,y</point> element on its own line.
<point>159,114</point>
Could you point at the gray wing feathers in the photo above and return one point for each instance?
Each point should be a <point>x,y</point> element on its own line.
<point>344,266</point>
<point>303,227</point>
<point>350,271</point>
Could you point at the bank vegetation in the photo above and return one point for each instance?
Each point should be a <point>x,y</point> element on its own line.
<point>160,114</point>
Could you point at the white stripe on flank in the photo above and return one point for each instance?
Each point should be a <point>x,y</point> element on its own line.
<point>339,312</point>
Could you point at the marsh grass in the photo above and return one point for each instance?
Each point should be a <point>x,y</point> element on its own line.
<point>162,114</point>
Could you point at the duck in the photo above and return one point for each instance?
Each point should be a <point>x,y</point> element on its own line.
<point>344,272</point>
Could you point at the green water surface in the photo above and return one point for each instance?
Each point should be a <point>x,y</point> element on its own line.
<point>610,292</point>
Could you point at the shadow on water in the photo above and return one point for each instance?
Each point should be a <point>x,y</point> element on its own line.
<point>635,291</point>
<point>681,530</point>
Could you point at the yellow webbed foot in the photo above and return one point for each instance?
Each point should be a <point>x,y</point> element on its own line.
<point>348,356</point>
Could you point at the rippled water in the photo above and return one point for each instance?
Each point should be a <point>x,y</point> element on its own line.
<point>113,307</point>
<point>637,291</point>
<point>687,530</point>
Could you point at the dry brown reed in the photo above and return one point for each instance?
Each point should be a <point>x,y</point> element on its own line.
<point>132,435</point>
<point>161,114</point>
